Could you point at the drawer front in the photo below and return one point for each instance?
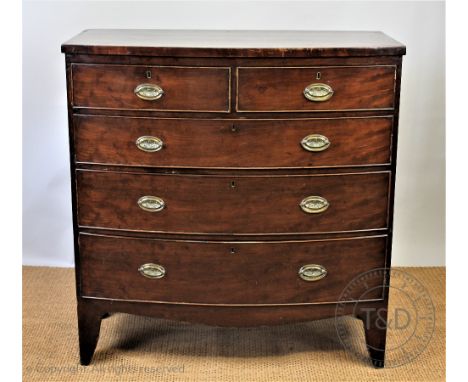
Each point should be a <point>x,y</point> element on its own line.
<point>346,88</point>
<point>227,273</point>
<point>230,204</point>
<point>232,144</point>
<point>173,88</point>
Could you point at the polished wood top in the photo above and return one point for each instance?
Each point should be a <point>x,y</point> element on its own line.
<point>241,43</point>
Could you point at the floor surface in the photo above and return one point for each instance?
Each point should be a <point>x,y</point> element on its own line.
<point>135,348</point>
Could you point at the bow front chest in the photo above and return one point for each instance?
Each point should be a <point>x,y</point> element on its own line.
<point>231,178</point>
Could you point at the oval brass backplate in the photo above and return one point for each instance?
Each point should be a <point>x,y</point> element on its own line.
<point>315,143</point>
<point>312,272</point>
<point>149,144</point>
<point>151,203</point>
<point>149,92</point>
<point>314,204</point>
<point>318,92</point>
<point>152,271</point>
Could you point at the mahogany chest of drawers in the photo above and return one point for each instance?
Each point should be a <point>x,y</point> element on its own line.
<point>231,178</point>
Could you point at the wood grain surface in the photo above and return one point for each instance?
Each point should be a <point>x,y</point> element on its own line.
<point>218,143</point>
<point>227,273</point>
<point>232,43</point>
<point>281,89</point>
<point>232,204</point>
<point>185,88</point>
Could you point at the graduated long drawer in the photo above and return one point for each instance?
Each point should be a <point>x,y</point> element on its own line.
<point>233,204</point>
<point>292,272</point>
<point>221,143</point>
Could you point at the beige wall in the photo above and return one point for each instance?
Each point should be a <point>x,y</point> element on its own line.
<point>420,202</point>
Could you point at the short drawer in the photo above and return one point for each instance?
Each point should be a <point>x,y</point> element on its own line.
<point>232,204</point>
<point>166,88</point>
<point>229,272</point>
<point>233,143</point>
<point>305,89</point>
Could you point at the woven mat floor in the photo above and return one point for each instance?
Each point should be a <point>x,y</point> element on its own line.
<point>133,348</point>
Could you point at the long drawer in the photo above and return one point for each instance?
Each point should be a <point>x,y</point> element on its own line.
<point>229,273</point>
<point>232,143</point>
<point>233,204</point>
<point>167,88</point>
<point>277,89</point>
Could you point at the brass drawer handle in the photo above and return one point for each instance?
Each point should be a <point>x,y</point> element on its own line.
<point>151,203</point>
<point>152,271</point>
<point>318,92</point>
<point>312,272</point>
<point>149,92</point>
<point>315,142</point>
<point>149,144</point>
<point>314,204</point>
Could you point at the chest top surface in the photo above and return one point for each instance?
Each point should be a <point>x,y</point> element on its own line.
<point>230,43</point>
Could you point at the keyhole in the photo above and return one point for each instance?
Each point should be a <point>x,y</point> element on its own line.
<point>233,251</point>
<point>233,128</point>
<point>233,184</point>
<point>319,75</point>
<point>148,74</point>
